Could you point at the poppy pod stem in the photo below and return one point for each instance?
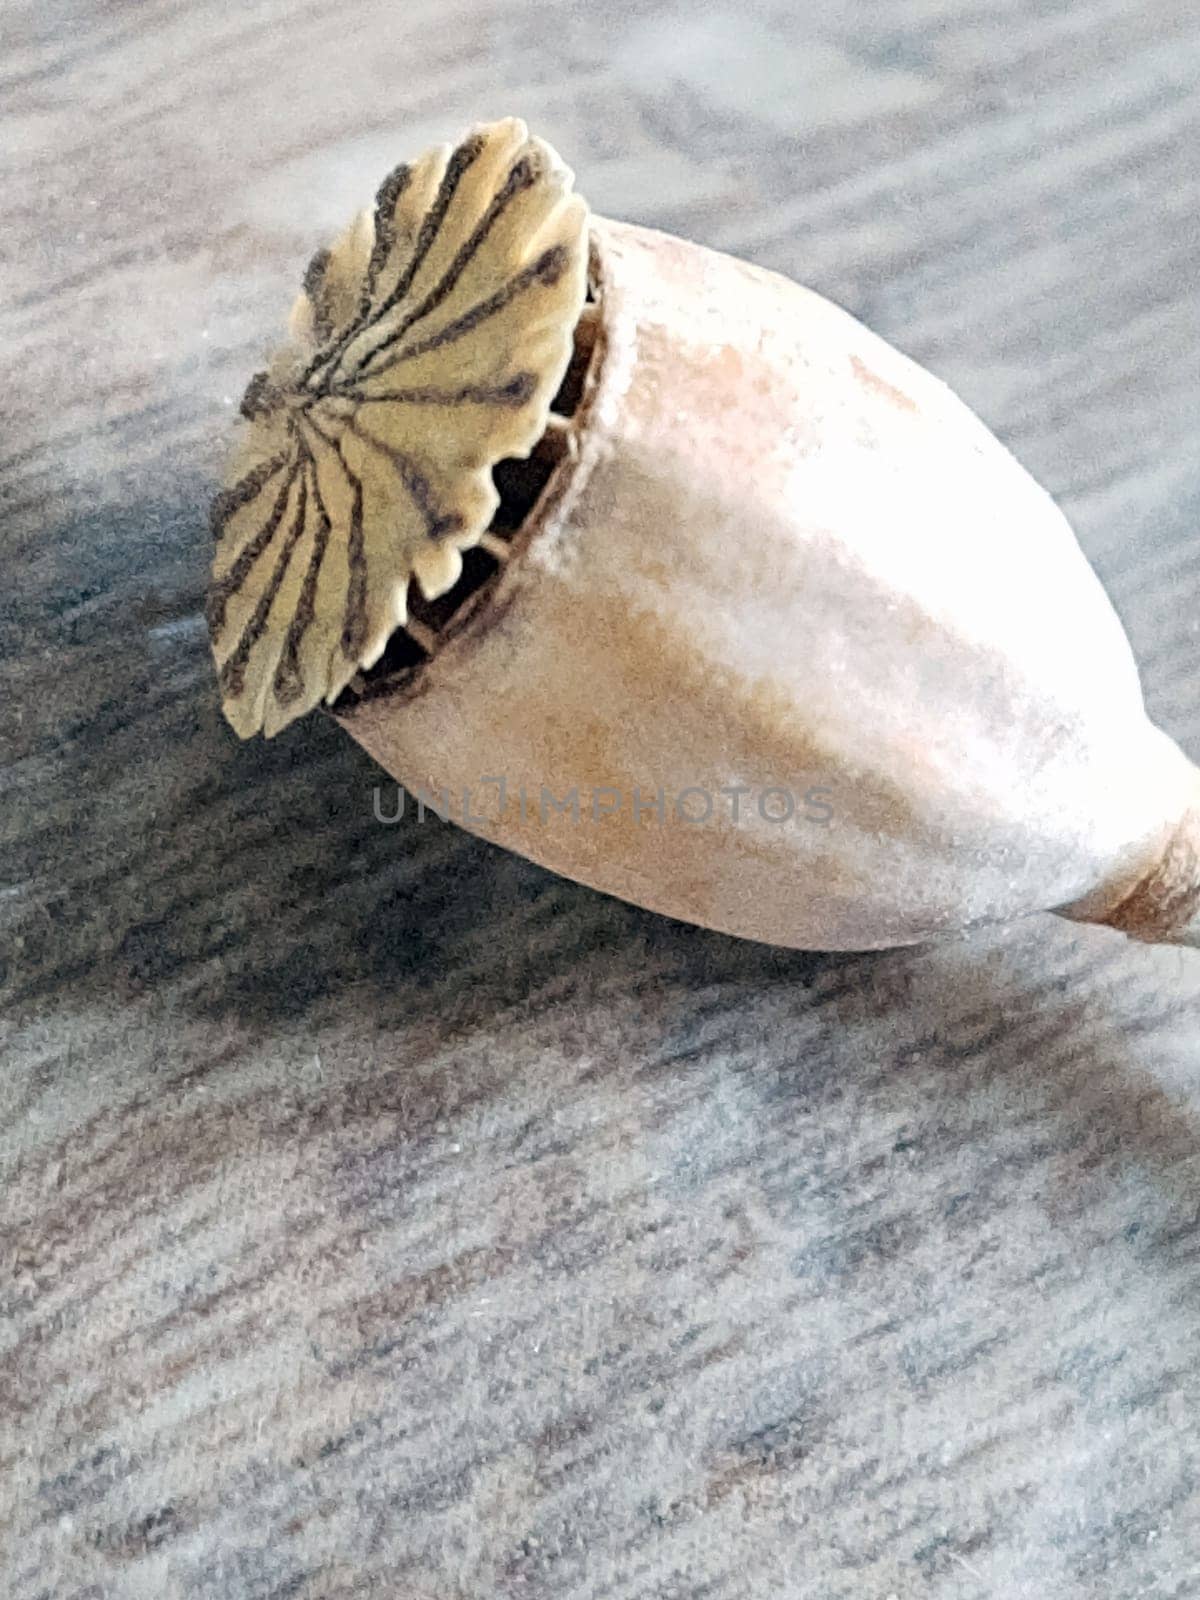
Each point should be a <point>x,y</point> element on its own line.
<point>1163,905</point>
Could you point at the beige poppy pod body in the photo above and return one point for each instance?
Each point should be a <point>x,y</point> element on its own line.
<point>790,573</point>
<point>789,646</point>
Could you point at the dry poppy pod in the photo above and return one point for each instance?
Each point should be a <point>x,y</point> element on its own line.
<point>668,574</point>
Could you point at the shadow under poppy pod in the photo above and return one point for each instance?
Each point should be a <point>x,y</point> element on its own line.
<point>763,629</point>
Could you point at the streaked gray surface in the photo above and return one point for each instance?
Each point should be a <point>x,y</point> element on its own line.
<point>384,1217</point>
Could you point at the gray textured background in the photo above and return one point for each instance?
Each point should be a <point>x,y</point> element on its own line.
<point>383,1217</point>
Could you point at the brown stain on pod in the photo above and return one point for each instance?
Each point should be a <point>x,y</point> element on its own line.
<point>877,385</point>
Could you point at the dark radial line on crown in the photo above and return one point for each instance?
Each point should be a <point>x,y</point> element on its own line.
<point>521,178</point>
<point>387,198</point>
<point>515,391</point>
<point>461,160</point>
<point>437,523</point>
<point>314,288</point>
<point>222,589</point>
<point>457,168</point>
<point>233,499</point>
<point>547,270</point>
<point>354,619</point>
<point>288,684</point>
<point>233,669</point>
